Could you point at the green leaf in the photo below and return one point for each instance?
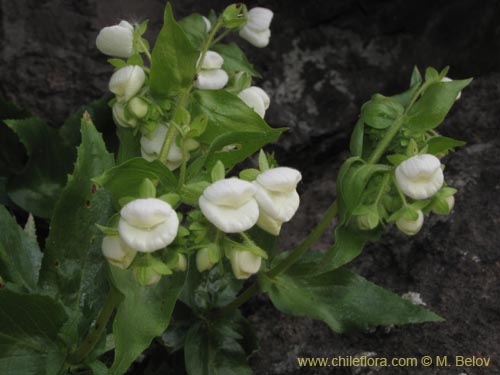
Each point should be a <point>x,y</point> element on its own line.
<point>431,109</point>
<point>38,185</point>
<point>147,189</point>
<point>218,348</point>
<point>356,144</point>
<point>20,256</point>
<point>143,314</point>
<point>29,326</point>
<point>124,179</point>
<point>173,63</point>
<point>441,144</point>
<point>73,268</point>
<point>130,146</point>
<point>381,112</point>
<point>195,29</point>
<point>343,300</point>
<point>234,59</point>
<point>415,83</point>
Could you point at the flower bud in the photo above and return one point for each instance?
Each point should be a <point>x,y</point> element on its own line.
<point>277,197</point>
<point>181,263</point>
<point>367,221</point>
<point>451,202</point>
<point>117,252</point>
<point>229,204</point>
<point>208,24</point>
<point>126,82</point>
<point>420,177</point>
<point>256,31</point>
<point>138,107</point>
<point>147,225</point>
<point>447,79</point>
<point>255,98</point>
<point>117,40</point>
<point>151,147</point>
<point>244,263</point>
<point>410,227</point>
<point>203,262</point>
<point>120,116</point>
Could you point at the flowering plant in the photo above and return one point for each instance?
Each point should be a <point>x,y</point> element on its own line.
<point>158,237</point>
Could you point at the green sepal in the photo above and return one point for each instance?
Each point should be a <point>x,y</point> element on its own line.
<point>249,174</point>
<point>218,172</point>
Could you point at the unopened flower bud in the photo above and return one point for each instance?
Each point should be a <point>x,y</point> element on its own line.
<point>117,252</point>
<point>181,263</point>
<point>451,202</point>
<point>420,177</point>
<point>126,82</point>
<point>208,24</point>
<point>256,31</point>
<point>203,262</point>
<point>117,40</point>
<point>367,222</point>
<point>229,204</point>
<point>244,263</point>
<point>120,117</point>
<point>138,107</point>
<point>147,225</point>
<point>410,227</point>
<point>255,98</point>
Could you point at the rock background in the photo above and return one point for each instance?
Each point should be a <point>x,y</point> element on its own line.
<point>325,59</point>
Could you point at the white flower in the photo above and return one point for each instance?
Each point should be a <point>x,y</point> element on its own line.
<point>211,76</point>
<point>203,262</point>
<point>256,31</point>
<point>447,79</point>
<point>244,263</point>
<point>120,117</point>
<point>277,197</point>
<point>420,177</point>
<point>148,224</point>
<point>127,81</point>
<point>229,204</point>
<point>410,227</point>
<point>255,98</point>
<point>208,24</point>
<point>117,40</point>
<point>151,146</point>
<point>117,252</point>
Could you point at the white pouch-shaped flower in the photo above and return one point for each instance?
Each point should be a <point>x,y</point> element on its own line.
<point>255,98</point>
<point>420,177</point>
<point>411,227</point>
<point>229,204</point>
<point>211,75</point>
<point>277,197</point>
<point>256,31</point>
<point>117,40</point>
<point>244,263</point>
<point>117,252</point>
<point>151,146</point>
<point>147,225</point>
<point>120,118</point>
<point>126,82</point>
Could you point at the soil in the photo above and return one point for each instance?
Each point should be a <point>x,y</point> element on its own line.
<point>325,59</point>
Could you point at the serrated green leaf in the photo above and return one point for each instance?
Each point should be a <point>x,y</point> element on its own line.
<point>343,300</point>
<point>431,109</point>
<point>173,63</point>
<point>218,348</point>
<point>234,59</point>
<point>73,268</point>
<point>29,327</point>
<point>124,179</point>
<point>441,144</point>
<point>143,314</point>
<point>20,255</point>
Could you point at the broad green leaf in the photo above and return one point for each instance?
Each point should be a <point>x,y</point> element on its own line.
<point>130,146</point>
<point>234,59</point>
<point>431,109</point>
<point>195,29</point>
<point>441,144</point>
<point>173,64</point>
<point>20,256</point>
<point>226,113</point>
<point>143,314</point>
<point>38,185</point>
<point>381,112</point>
<point>343,300</point>
<point>29,327</point>
<point>124,179</point>
<point>415,83</point>
<point>217,348</point>
<point>73,268</point>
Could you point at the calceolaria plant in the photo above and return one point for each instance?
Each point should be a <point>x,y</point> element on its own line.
<point>166,237</point>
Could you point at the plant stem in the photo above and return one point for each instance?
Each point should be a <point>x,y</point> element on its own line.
<point>145,50</point>
<point>220,37</point>
<point>237,302</point>
<point>95,334</point>
<point>182,174</point>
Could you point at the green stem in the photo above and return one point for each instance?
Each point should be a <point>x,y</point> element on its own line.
<point>237,302</point>
<point>387,176</point>
<point>182,174</point>
<point>95,334</point>
<point>145,50</point>
<point>220,37</point>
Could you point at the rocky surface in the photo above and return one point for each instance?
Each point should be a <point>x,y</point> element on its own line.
<point>325,59</point>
